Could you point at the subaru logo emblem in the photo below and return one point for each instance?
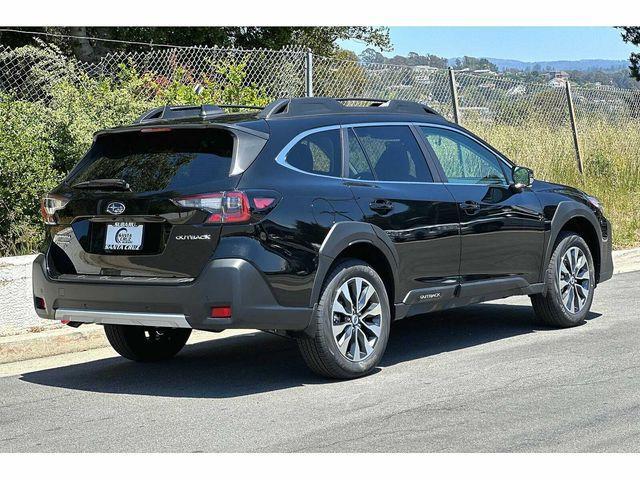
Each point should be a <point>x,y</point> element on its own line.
<point>115,208</point>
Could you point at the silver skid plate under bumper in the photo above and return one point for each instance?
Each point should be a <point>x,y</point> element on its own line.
<point>122,318</point>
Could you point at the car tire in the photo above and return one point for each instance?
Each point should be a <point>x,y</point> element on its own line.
<point>570,271</point>
<point>146,344</point>
<point>348,343</point>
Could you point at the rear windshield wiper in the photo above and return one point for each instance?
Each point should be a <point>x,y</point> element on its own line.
<point>104,184</point>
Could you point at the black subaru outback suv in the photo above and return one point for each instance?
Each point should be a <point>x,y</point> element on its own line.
<point>310,217</point>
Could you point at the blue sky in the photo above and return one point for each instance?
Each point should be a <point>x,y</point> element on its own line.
<point>516,43</point>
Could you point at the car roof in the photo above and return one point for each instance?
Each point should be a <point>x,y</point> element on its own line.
<point>304,112</point>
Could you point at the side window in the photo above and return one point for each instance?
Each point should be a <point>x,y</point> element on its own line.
<point>359,167</point>
<point>318,153</point>
<point>463,159</point>
<point>393,153</point>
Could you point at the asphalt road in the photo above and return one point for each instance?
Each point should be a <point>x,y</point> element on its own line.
<point>482,378</point>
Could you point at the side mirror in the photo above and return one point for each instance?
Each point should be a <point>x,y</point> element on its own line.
<point>522,177</point>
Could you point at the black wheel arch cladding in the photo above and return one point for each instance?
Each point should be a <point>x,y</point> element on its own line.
<point>570,211</point>
<point>344,235</point>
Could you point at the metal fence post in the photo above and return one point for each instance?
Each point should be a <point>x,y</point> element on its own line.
<point>454,95</point>
<point>309,74</point>
<point>574,128</point>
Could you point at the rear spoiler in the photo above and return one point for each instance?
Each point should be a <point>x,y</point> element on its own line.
<point>173,112</point>
<point>189,126</point>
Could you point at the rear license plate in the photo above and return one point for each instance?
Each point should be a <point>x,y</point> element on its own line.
<point>123,236</point>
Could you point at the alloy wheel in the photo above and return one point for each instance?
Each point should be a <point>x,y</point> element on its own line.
<point>574,280</point>
<point>356,319</point>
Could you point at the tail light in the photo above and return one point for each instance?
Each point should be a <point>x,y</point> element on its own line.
<point>228,207</point>
<point>49,205</point>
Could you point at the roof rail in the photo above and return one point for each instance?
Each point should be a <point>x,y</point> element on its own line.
<point>292,107</point>
<point>246,107</point>
<point>375,102</point>
<point>188,111</point>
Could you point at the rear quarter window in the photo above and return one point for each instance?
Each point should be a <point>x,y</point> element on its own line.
<point>319,153</point>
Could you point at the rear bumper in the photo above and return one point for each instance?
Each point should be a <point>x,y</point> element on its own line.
<point>233,282</point>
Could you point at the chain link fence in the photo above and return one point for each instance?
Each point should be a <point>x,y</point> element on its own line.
<point>50,105</point>
<point>487,103</point>
<point>26,72</point>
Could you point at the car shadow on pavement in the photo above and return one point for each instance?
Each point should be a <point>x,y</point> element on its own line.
<point>260,362</point>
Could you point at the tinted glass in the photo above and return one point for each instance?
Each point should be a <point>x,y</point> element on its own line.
<point>359,167</point>
<point>394,153</point>
<point>158,161</point>
<point>463,159</point>
<point>318,153</point>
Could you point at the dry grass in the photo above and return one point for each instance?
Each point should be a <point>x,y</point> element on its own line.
<point>611,163</point>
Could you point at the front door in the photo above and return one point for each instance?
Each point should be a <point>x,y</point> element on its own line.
<point>502,229</point>
<point>395,189</point>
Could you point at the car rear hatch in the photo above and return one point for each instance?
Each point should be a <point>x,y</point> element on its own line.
<point>124,219</point>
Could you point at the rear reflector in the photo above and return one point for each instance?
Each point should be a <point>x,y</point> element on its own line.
<point>221,312</point>
<point>39,303</point>
<point>263,202</point>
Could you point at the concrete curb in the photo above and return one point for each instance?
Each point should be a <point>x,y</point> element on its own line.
<point>15,348</point>
<point>626,260</point>
<point>32,346</point>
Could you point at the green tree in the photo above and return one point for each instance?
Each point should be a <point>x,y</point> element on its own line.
<point>412,59</point>
<point>473,63</point>
<point>370,55</point>
<point>321,40</point>
<point>632,35</point>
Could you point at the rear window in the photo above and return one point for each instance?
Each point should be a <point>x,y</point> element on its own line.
<point>155,161</point>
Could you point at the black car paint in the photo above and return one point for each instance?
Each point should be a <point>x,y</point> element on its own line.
<point>440,254</point>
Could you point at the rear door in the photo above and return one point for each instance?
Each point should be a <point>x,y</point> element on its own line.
<point>397,192</point>
<point>139,230</point>
<point>502,230</point>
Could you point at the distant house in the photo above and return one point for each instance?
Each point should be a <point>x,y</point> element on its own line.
<point>517,90</point>
<point>426,68</point>
<point>424,74</point>
<point>484,71</point>
<point>557,79</point>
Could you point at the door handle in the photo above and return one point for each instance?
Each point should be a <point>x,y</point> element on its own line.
<point>470,207</point>
<point>381,206</point>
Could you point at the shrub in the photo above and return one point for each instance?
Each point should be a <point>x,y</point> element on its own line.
<point>226,87</point>
<point>26,173</point>
<point>41,141</point>
<point>79,109</point>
